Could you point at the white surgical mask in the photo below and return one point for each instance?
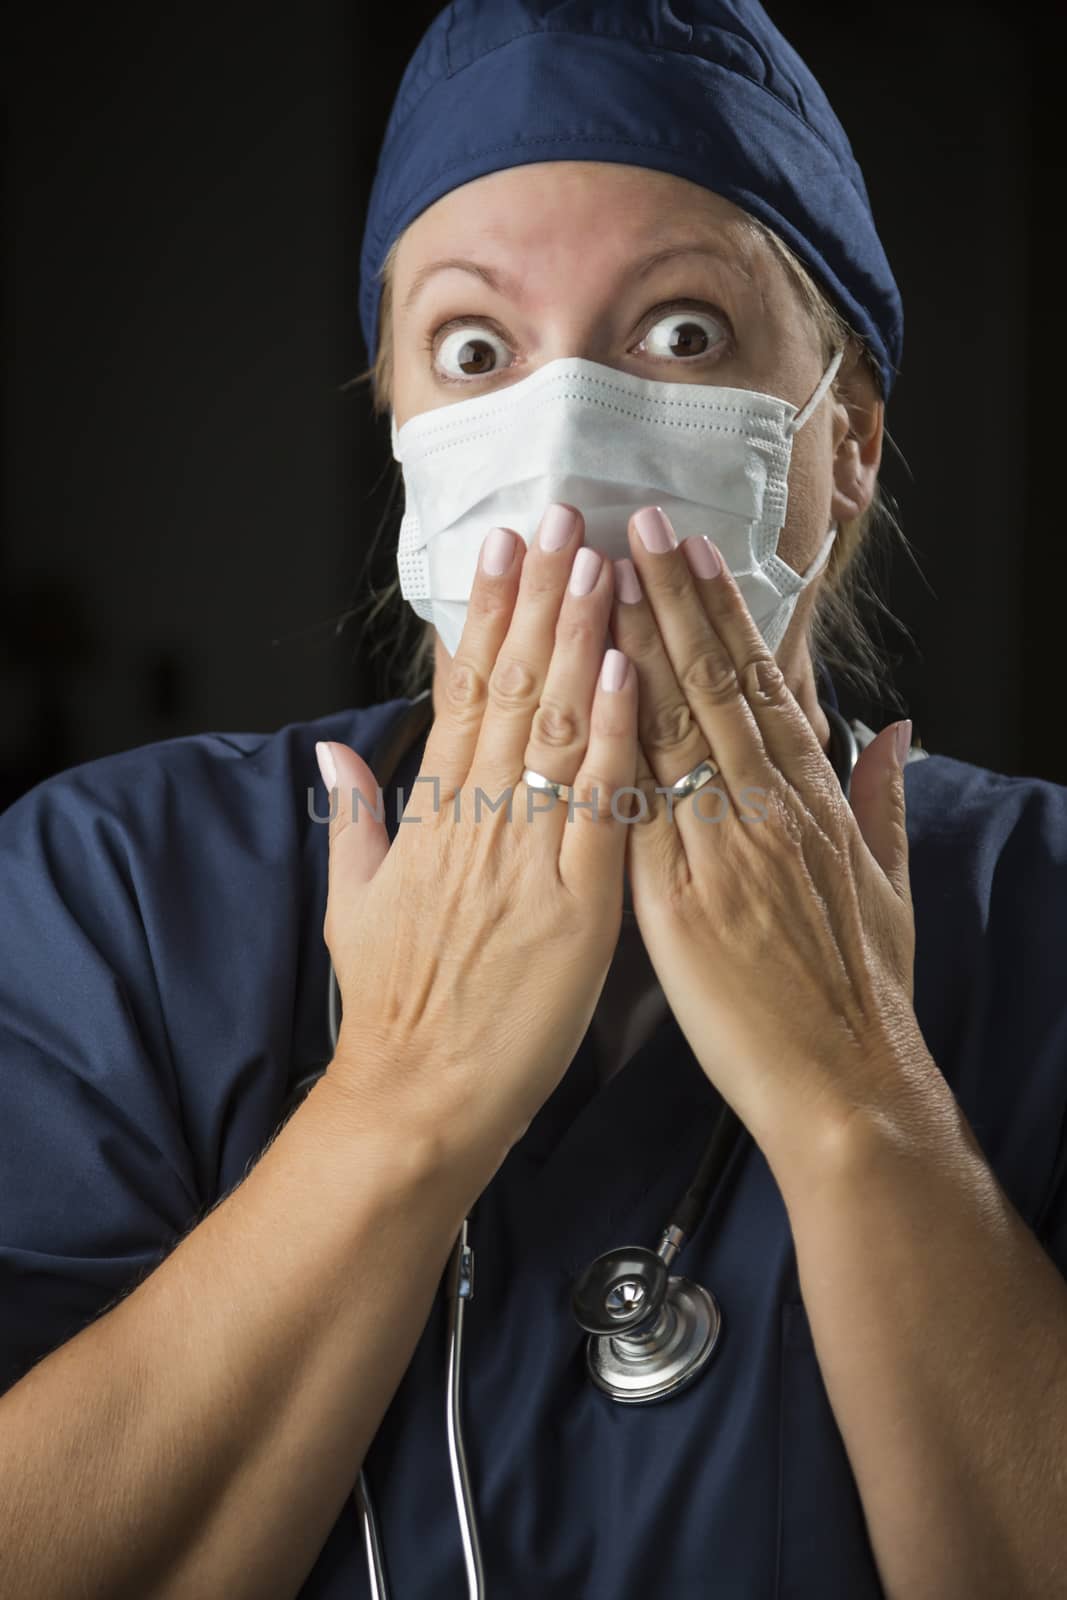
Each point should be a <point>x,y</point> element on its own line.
<point>716,460</point>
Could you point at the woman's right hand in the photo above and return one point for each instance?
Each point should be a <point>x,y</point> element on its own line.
<point>471,952</point>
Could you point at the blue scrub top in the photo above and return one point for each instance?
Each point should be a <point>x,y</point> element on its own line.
<point>163,977</point>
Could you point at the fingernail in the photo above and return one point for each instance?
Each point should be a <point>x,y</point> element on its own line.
<point>903,741</point>
<point>497,551</point>
<point>627,586</point>
<point>613,672</point>
<point>557,525</point>
<point>702,556</point>
<point>585,570</point>
<point>327,765</point>
<point>654,531</point>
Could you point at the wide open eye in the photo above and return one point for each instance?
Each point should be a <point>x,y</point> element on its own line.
<point>684,333</point>
<point>466,349</point>
<point>469,352</point>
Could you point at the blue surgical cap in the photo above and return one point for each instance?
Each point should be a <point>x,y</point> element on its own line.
<point>706,89</point>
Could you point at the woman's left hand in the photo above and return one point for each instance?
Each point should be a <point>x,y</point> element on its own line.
<point>777,916</point>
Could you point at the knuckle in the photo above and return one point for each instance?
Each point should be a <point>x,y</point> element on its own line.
<point>540,580</point>
<point>644,642</point>
<point>710,674</point>
<point>727,602</point>
<point>652,801</point>
<point>512,683</point>
<point>610,717</point>
<point>577,629</point>
<point>339,821</point>
<point>556,726</point>
<point>670,724</point>
<point>763,680</point>
<point>673,579</point>
<point>595,792</point>
<point>487,602</point>
<point>785,836</point>
<point>465,689</point>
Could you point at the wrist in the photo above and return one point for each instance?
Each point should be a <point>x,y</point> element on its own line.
<point>361,1105</point>
<point>908,1113</point>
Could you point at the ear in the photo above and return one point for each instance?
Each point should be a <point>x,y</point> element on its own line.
<point>858,419</point>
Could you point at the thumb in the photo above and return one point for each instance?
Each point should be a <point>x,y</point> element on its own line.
<point>876,794</point>
<point>359,840</point>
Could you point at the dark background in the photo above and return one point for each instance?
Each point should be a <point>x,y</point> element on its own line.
<point>189,493</point>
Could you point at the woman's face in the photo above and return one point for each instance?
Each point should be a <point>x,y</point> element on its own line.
<point>567,244</point>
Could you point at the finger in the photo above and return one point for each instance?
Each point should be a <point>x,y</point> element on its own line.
<point>559,734</point>
<point>670,736</point>
<point>594,836</point>
<point>521,666</point>
<point>358,839</point>
<point>876,794</point>
<point>703,666</point>
<point>654,847</point>
<point>460,695</point>
<point>757,684</point>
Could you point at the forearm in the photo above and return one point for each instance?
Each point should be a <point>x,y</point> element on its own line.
<point>200,1438</point>
<point>940,1327</point>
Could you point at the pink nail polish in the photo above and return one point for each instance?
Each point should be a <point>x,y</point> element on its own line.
<point>903,740</point>
<point>327,765</point>
<point>627,586</point>
<point>702,556</point>
<point>613,672</point>
<point>557,525</point>
<point>497,551</point>
<point>585,571</point>
<point>654,530</point>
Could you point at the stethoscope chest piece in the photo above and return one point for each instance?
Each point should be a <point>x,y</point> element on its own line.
<point>651,1334</point>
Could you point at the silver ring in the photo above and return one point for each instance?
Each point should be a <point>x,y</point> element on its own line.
<point>538,781</point>
<point>690,782</point>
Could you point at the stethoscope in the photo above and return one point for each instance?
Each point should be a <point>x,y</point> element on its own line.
<point>651,1333</point>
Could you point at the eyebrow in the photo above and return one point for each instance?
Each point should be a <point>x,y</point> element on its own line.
<point>503,282</point>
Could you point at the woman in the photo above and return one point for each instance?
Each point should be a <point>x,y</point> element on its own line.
<point>858,960</point>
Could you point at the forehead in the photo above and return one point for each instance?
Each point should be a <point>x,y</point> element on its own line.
<point>582,208</point>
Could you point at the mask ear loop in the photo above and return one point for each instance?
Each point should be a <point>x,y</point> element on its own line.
<point>824,383</point>
<point>797,423</point>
